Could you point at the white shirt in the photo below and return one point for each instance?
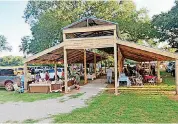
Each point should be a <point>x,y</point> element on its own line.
<point>109,72</point>
<point>42,75</point>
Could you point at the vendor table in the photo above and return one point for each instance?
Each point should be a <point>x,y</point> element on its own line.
<point>148,77</point>
<point>55,86</point>
<point>124,78</point>
<point>39,88</point>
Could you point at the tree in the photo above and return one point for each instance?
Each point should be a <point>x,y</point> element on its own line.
<point>24,47</point>
<point>167,26</point>
<point>47,19</point>
<point>4,44</point>
<point>11,61</point>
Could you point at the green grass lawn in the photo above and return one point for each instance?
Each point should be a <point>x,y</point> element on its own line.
<point>125,108</point>
<point>128,107</point>
<point>168,80</point>
<point>25,97</point>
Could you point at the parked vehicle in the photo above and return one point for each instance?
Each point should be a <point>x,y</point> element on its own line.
<point>7,79</point>
<point>170,67</point>
<point>52,73</point>
<point>38,69</point>
<point>18,71</point>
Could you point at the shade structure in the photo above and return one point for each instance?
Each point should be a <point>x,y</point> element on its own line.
<point>56,55</point>
<point>92,33</point>
<point>141,53</point>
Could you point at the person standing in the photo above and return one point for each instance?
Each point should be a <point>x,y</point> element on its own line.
<point>153,71</point>
<point>42,75</point>
<point>77,81</point>
<point>37,77</point>
<point>109,75</point>
<point>47,76</point>
<point>22,82</point>
<point>62,75</point>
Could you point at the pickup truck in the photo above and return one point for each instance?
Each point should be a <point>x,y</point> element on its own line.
<point>7,79</point>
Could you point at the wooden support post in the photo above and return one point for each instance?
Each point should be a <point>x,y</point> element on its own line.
<point>105,66</point>
<point>25,76</point>
<point>115,67</point>
<point>95,63</point>
<point>64,36</point>
<point>87,22</point>
<point>101,67</point>
<point>55,70</point>
<point>85,66</point>
<point>65,70</point>
<point>122,64</point>
<point>158,71</point>
<point>176,75</point>
<point>118,62</point>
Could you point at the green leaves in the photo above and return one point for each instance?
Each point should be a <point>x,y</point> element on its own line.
<point>167,25</point>
<point>48,17</point>
<point>11,61</point>
<point>4,44</point>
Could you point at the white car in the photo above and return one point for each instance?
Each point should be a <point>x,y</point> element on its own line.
<point>52,73</point>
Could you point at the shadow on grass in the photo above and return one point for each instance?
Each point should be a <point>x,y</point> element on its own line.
<point>76,95</point>
<point>30,121</point>
<point>11,96</point>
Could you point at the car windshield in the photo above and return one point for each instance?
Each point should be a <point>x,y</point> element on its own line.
<point>59,70</point>
<point>7,72</point>
<point>20,68</point>
<point>51,71</point>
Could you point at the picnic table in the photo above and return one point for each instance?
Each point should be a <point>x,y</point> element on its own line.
<point>124,78</point>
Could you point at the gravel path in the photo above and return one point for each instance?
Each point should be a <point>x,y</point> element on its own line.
<point>20,111</point>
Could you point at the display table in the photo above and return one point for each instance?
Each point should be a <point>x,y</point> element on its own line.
<point>39,88</point>
<point>55,86</point>
<point>124,78</point>
<point>148,77</point>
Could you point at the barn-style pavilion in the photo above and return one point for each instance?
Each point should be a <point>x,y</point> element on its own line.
<point>93,33</point>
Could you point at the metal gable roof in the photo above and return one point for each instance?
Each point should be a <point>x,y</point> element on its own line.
<point>89,18</point>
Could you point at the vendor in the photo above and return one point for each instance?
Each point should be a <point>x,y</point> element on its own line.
<point>77,81</point>
<point>42,75</point>
<point>46,76</point>
<point>153,70</point>
<point>62,73</point>
<point>37,77</point>
<point>109,75</point>
<point>126,71</point>
<point>73,84</point>
<point>22,82</point>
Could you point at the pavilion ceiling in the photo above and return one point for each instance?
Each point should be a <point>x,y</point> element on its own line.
<point>73,56</point>
<point>141,55</point>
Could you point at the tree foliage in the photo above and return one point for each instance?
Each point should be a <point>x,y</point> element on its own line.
<point>48,17</point>
<point>4,44</point>
<point>167,26</point>
<point>11,61</point>
<point>24,47</point>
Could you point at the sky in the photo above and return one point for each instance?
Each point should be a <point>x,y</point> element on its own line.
<point>13,26</point>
